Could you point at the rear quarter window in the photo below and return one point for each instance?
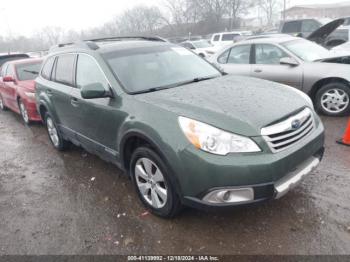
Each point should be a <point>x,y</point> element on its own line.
<point>47,68</point>
<point>216,38</point>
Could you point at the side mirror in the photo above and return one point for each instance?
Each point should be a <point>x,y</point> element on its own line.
<point>288,61</point>
<point>8,79</point>
<point>94,90</point>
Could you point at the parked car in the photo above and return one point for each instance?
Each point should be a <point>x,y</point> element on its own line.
<point>17,88</point>
<point>226,38</point>
<point>201,47</point>
<point>186,134</point>
<point>12,56</point>
<point>296,62</point>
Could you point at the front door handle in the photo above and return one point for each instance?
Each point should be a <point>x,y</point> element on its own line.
<point>74,101</point>
<point>258,70</point>
<point>49,92</point>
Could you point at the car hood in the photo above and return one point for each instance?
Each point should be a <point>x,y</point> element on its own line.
<point>319,36</point>
<point>241,105</point>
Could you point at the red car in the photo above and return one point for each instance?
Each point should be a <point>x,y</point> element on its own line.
<point>17,87</point>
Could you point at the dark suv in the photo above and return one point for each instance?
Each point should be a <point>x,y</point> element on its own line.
<point>184,132</point>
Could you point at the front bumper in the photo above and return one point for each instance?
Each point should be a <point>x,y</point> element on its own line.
<point>261,192</point>
<point>268,175</point>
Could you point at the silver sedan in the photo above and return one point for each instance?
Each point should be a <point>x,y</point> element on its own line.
<point>295,62</point>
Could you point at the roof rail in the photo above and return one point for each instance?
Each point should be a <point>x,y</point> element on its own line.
<point>91,43</point>
<point>121,38</point>
<point>82,44</point>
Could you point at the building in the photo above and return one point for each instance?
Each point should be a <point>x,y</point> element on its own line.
<point>318,11</point>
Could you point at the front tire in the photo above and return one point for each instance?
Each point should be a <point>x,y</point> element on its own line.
<point>152,182</point>
<point>333,99</point>
<point>24,112</point>
<point>55,137</point>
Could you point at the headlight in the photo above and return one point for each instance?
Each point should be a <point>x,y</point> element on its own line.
<point>214,140</point>
<point>30,94</point>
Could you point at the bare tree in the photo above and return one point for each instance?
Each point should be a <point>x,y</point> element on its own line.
<point>270,8</point>
<point>235,9</point>
<point>140,19</point>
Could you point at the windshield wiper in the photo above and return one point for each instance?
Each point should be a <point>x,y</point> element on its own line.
<point>31,72</point>
<point>154,89</point>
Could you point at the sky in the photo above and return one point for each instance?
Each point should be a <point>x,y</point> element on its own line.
<point>24,17</point>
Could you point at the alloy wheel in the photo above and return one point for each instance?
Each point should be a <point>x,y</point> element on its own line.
<point>24,112</point>
<point>151,183</point>
<point>52,132</point>
<point>335,100</point>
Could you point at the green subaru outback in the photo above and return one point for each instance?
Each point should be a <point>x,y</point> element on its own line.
<point>185,133</point>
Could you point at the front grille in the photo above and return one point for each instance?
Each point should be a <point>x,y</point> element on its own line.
<point>285,134</point>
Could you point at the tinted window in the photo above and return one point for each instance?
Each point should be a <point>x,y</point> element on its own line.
<point>158,67</point>
<point>310,26</point>
<point>216,38</point>
<point>65,69</point>
<point>239,55</point>
<point>269,54</point>
<point>47,68</point>
<point>292,27</point>
<point>28,71</point>
<point>229,37</point>
<point>88,72</point>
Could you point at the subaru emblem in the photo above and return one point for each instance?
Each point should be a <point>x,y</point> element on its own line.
<point>296,124</point>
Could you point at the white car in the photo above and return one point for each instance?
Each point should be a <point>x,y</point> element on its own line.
<point>201,47</point>
<point>226,38</point>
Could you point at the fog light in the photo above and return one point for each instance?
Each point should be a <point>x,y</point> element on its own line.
<point>234,195</point>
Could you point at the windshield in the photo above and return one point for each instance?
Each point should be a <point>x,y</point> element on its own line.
<point>28,71</point>
<point>141,69</point>
<point>306,50</point>
<point>201,44</point>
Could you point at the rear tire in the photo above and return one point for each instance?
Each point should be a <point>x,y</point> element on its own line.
<point>2,105</point>
<point>24,112</point>
<point>54,134</point>
<point>152,182</point>
<point>333,99</point>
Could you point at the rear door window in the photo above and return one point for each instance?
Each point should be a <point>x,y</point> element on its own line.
<point>239,55</point>
<point>65,69</point>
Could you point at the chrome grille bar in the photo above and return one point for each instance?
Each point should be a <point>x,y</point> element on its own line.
<point>283,135</point>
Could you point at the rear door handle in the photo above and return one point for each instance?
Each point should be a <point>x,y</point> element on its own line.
<point>74,101</point>
<point>258,70</point>
<point>49,92</point>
